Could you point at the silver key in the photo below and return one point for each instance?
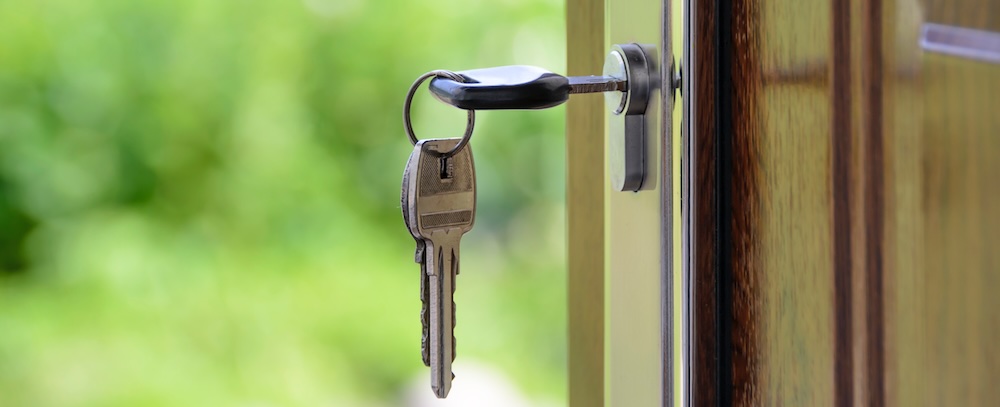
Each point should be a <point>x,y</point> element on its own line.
<point>418,257</point>
<point>442,205</point>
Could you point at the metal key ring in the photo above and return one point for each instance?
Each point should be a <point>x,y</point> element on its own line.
<point>409,100</point>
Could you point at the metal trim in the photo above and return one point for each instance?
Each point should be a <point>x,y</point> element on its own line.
<point>666,85</point>
<point>688,111</point>
<point>961,42</point>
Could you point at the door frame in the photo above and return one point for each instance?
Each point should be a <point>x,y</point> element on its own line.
<point>585,207</point>
<point>621,284</point>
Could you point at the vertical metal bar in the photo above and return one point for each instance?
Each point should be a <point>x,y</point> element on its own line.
<point>685,382</point>
<point>667,199</point>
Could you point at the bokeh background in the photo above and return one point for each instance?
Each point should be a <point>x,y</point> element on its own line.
<point>199,203</point>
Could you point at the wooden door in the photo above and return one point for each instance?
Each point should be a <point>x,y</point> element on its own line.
<point>843,204</point>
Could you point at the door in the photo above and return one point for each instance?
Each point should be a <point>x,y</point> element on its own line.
<point>844,214</point>
<point>825,229</point>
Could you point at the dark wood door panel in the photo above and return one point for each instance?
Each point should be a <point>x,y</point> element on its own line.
<point>777,127</point>
<point>847,206</point>
<point>764,203</point>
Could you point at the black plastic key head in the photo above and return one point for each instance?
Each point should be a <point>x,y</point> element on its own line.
<point>504,87</point>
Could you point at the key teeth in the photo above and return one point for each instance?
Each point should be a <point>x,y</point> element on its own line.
<point>424,316</point>
<point>425,338</point>
<point>453,323</point>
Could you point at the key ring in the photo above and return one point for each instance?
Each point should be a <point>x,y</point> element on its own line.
<point>409,100</point>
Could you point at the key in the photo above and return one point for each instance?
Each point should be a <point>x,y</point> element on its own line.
<point>518,87</point>
<point>418,257</point>
<point>442,204</point>
<point>629,82</point>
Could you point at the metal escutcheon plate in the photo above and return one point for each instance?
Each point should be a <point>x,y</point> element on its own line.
<point>627,134</point>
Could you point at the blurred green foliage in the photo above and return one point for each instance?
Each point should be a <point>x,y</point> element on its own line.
<point>199,200</point>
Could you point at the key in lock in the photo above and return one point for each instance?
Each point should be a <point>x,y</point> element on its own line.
<point>629,80</point>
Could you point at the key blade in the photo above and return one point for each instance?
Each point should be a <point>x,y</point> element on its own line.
<point>425,294</point>
<point>596,84</point>
<point>441,258</point>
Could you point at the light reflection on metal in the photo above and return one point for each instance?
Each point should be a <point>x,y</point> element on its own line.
<point>684,383</point>
<point>961,42</point>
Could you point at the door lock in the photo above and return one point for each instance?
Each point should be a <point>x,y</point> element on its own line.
<point>629,79</point>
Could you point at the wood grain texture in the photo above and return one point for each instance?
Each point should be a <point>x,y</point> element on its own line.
<point>943,232</point>
<point>904,283</point>
<point>850,183</point>
<point>977,14</point>
<point>782,203</point>
<point>873,185</point>
<point>960,244</point>
<point>786,156</point>
<point>739,211</point>
<point>705,386</point>
<point>845,373</point>
<point>585,206</point>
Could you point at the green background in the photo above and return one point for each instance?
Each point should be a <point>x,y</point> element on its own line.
<point>199,201</point>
